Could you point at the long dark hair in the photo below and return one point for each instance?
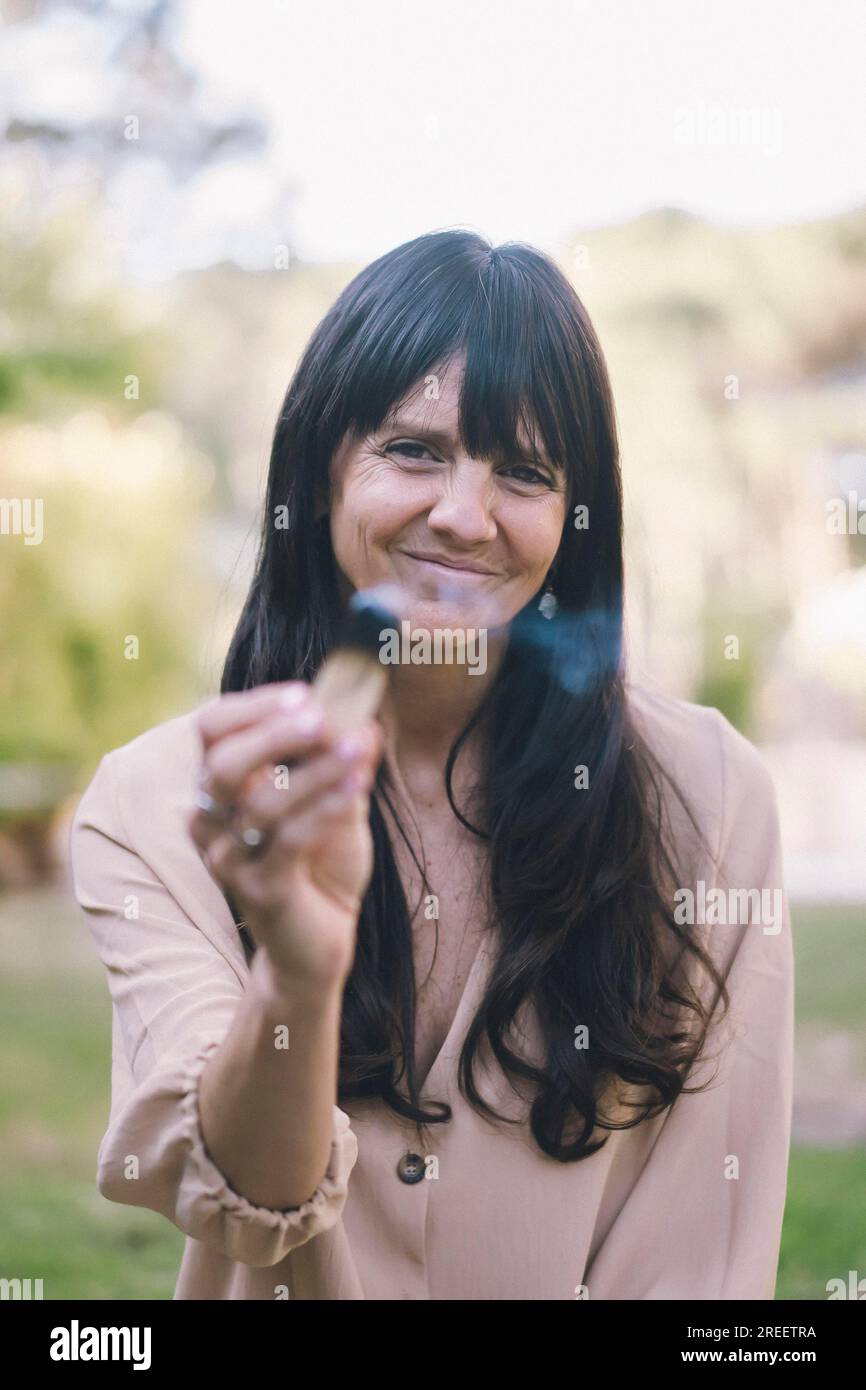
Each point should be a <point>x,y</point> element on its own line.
<point>581,881</point>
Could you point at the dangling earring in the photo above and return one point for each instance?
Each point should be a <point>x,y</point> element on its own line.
<point>548,603</point>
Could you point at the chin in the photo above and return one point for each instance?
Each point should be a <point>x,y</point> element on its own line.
<point>429,613</point>
<point>489,613</point>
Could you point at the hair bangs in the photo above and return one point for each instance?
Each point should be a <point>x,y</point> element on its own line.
<point>525,393</point>
<point>411,314</point>
<point>520,385</point>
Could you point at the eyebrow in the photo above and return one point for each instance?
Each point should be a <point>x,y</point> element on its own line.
<point>400,424</point>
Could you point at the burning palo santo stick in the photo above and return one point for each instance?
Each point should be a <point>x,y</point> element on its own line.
<point>352,679</point>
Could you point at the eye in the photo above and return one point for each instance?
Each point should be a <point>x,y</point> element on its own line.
<point>416,449</point>
<point>535,476</point>
<point>406,447</point>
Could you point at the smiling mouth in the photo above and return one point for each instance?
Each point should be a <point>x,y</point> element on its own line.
<point>440,567</point>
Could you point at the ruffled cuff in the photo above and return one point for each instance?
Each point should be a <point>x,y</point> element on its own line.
<point>211,1211</point>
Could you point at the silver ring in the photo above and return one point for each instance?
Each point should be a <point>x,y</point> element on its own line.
<point>251,839</point>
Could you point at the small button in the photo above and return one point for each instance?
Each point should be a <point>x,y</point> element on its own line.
<point>411,1168</point>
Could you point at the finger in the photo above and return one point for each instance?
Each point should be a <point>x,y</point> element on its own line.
<point>299,833</point>
<point>280,739</point>
<point>246,707</point>
<point>376,735</point>
<point>227,858</point>
<point>233,866</point>
<point>272,797</point>
<point>204,829</point>
<point>271,794</point>
<point>266,799</point>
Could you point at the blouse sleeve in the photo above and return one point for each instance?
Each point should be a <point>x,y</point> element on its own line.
<point>174,995</point>
<point>704,1218</point>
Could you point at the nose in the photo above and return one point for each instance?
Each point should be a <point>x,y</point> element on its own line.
<point>464,510</point>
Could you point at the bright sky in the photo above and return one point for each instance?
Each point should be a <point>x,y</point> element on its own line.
<point>528,118</point>
<point>525,119</point>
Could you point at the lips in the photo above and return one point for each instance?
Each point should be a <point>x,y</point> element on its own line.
<point>452,566</point>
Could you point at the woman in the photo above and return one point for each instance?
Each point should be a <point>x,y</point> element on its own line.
<point>440,1011</point>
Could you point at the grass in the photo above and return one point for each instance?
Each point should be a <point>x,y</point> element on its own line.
<point>830,965</point>
<point>54,1093</point>
<point>824,1235</point>
<point>56,1227</point>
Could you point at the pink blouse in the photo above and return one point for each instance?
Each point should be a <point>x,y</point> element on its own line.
<point>687,1205</point>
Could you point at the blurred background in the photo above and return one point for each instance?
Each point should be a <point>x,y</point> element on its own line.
<point>184,189</point>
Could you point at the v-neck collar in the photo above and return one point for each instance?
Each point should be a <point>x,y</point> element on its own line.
<point>470,998</point>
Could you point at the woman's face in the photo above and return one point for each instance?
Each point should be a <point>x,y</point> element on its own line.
<point>470,541</point>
